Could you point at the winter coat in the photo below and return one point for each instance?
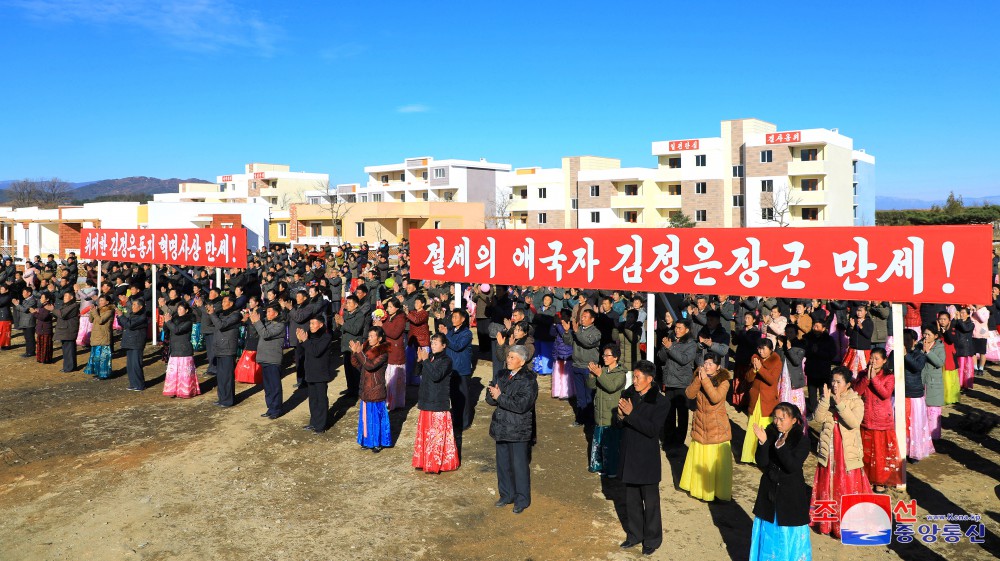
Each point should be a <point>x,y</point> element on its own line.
<point>913,365</point>
<point>820,352</point>
<point>962,337</point>
<point>783,493</point>
<point>435,383</point>
<point>561,350</point>
<point>850,413</point>
<point>586,343</point>
<point>134,327</point>
<point>43,321</point>
<point>101,322</point>
<point>6,313</point>
<point>630,336</point>
<point>67,322</point>
<point>711,422</point>
<point>764,384</point>
<point>876,393</point>
<point>207,328</point>
<point>775,328</point>
<point>608,389</point>
<point>514,417</point>
<point>860,336</point>
<point>178,330</point>
<point>526,342</point>
<point>639,459</point>
<point>395,333</point>
<point>298,318</point>
<point>318,364</point>
<point>933,376</point>
<point>270,339</point>
<point>372,362</point>
<point>420,333</point>
<point>746,344</point>
<point>25,319</point>
<point>793,365</point>
<point>355,328</point>
<point>879,315</point>
<point>678,362</point>
<point>227,331</point>
<point>460,349</point>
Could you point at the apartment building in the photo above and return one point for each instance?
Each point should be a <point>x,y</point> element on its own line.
<point>425,179</point>
<point>751,175</point>
<point>548,197</point>
<point>275,184</point>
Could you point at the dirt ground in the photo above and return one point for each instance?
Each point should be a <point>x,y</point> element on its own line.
<point>89,470</point>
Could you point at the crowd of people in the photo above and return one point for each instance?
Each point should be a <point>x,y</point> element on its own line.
<point>782,363</point>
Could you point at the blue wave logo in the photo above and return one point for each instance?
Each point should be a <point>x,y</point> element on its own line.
<point>848,537</point>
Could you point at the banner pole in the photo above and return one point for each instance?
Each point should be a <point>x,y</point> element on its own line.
<point>899,392</point>
<point>650,326</point>
<point>458,295</point>
<point>100,266</point>
<point>155,304</point>
<point>218,278</point>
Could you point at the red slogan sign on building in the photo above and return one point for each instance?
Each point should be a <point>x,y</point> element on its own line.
<point>678,145</point>
<point>948,264</point>
<point>212,247</point>
<point>783,137</point>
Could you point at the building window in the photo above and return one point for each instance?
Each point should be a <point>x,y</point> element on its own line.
<point>424,176</point>
<point>767,214</point>
<point>673,189</point>
<point>767,186</point>
<point>765,156</point>
<point>701,216</point>
<point>574,204</point>
<point>359,229</point>
<point>810,214</point>
<point>595,217</point>
<point>631,190</point>
<point>810,184</point>
<point>524,218</point>
<point>449,196</point>
<point>283,230</point>
<point>376,197</point>
<point>854,166</point>
<point>699,160</point>
<point>315,229</point>
<point>855,211</point>
<point>402,177</point>
<point>737,171</point>
<point>630,216</point>
<point>402,197</point>
<point>674,163</point>
<point>438,173</point>
<point>855,187</point>
<point>541,192</point>
<point>700,188</point>
<point>810,154</point>
<point>524,193</point>
<point>738,201</point>
<point>385,179</point>
<point>437,224</point>
<point>542,219</point>
<point>424,196</point>
<point>595,190</point>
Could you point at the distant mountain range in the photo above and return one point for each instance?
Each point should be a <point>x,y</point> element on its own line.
<point>903,203</point>
<point>126,186</point>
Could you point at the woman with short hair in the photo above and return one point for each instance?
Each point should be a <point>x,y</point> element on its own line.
<point>371,359</point>
<point>708,468</point>
<point>434,448</point>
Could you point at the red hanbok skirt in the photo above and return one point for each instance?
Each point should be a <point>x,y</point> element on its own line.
<point>434,449</point>
<point>833,481</point>
<point>4,334</point>
<point>883,465</point>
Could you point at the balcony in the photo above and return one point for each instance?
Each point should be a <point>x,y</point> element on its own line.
<point>665,174</point>
<point>815,167</point>
<point>668,201</point>
<point>808,198</point>
<point>627,201</point>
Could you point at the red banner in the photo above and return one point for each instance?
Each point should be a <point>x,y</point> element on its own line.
<point>678,145</point>
<point>783,137</point>
<point>946,264</point>
<point>212,247</point>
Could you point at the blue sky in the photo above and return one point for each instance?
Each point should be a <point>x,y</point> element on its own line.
<point>197,88</point>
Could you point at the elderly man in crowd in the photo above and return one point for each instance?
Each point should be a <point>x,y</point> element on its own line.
<point>513,392</point>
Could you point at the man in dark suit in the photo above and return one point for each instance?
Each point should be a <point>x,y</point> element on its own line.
<point>319,371</point>
<point>134,326</point>
<point>513,392</point>
<point>227,331</point>
<point>641,413</point>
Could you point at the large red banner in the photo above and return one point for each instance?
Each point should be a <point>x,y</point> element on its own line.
<point>946,264</point>
<point>212,247</point>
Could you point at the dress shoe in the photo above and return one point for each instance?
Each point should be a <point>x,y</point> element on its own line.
<point>519,509</point>
<point>376,449</point>
<point>318,431</point>
<point>308,427</point>
<point>265,414</point>
<point>502,503</point>
<point>647,551</point>
<point>274,416</point>
<point>628,545</point>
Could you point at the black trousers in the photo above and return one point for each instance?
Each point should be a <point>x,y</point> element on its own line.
<point>300,364</point>
<point>225,376</point>
<point>210,353</point>
<point>676,425</point>
<point>133,367</point>
<point>642,507</point>
<point>272,388</point>
<point>29,341</point>
<point>462,405</point>
<point>513,473</point>
<point>483,333</point>
<point>352,375</point>
<point>69,355</point>
<point>498,364</point>
<point>319,405</point>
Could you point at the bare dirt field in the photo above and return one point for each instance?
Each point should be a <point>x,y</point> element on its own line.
<point>89,470</point>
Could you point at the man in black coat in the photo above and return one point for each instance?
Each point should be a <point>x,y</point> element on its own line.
<point>318,371</point>
<point>821,350</point>
<point>134,326</point>
<point>641,414</point>
<point>227,331</point>
<point>513,392</point>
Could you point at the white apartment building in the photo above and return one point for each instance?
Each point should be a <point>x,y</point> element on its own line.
<point>275,184</point>
<point>430,180</point>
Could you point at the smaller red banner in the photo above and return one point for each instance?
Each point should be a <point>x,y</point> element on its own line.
<point>783,137</point>
<point>206,247</point>
<point>678,145</point>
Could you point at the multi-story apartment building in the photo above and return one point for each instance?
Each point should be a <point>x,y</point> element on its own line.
<point>429,180</point>
<point>276,184</point>
<point>752,175</point>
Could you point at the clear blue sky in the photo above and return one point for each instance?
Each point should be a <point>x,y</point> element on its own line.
<point>98,89</point>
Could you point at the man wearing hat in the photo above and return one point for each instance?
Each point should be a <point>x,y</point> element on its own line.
<point>298,319</point>
<point>318,370</point>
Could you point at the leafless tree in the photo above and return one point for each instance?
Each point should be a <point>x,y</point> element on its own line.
<point>53,192</point>
<point>780,202</point>
<point>23,193</point>
<point>46,193</point>
<point>498,210</point>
